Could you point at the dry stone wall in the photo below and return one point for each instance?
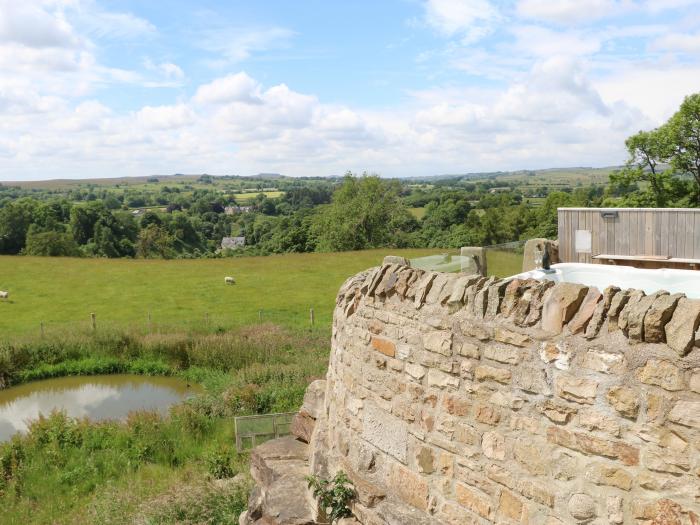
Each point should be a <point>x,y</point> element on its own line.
<point>468,400</point>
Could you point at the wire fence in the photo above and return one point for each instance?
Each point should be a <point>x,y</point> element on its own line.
<point>251,431</point>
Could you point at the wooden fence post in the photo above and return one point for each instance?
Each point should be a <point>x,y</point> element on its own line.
<point>260,315</point>
<point>311,317</point>
<point>41,328</point>
<point>93,319</point>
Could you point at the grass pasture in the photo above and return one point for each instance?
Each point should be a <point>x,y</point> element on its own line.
<point>184,294</point>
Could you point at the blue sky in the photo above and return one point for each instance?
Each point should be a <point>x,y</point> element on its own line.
<point>398,87</point>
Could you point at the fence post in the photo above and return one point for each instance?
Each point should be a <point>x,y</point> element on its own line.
<point>260,315</point>
<point>94,321</point>
<point>206,319</point>
<point>150,325</point>
<point>311,316</point>
<point>41,328</point>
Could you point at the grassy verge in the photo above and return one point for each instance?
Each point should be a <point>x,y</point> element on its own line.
<point>151,469</point>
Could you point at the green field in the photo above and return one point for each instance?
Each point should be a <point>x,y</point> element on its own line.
<point>63,292</point>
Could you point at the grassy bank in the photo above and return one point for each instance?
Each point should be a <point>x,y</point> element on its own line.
<point>151,469</point>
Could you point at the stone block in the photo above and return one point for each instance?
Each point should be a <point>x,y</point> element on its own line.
<point>511,508</point>
<point>623,319</point>
<point>452,514</point>
<point>587,444</point>
<point>416,371</point>
<point>495,296</point>
<point>610,476</point>
<point>694,383</point>
<point>467,349</point>
<point>476,502</point>
<point>658,316</point>
<point>556,412</point>
<point>617,304</point>
<point>397,260</point>
<point>680,330</point>
<point>557,353</point>
<point>493,445</point>
<point>686,413</point>
<point>635,318</point>
<point>512,338</point>
<point>560,305</point>
<point>604,361</point>
<point>502,354</point>
<point>440,379</point>
<point>385,346</point>
<point>624,400</point>
<point>600,312</point>
<point>410,487</point>
<point>302,426</point>
<point>582,507</point>
<point>456,405</point>
<point>576,389</point>
<point>386,432</point>
<point>585,312</point>
<point>532,456</point>
<point>660,373</point>
<point>487,414</point>
<point>438,341</point>
<point>314,398</point>
<point>490,373</point>
<point>613,505</point>
<point>596,421</point>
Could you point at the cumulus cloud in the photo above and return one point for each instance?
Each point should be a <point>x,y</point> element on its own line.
<point>165,117</point>
<point>470,18</point>
<point>29,25</point>
<point>238,87</point>
<point>567,11</point>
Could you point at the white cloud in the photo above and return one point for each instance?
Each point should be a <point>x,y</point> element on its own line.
<point>233,45</point>
<point>470,18</point>
<point>542,42</point>
<point>237,87</point>
<point>567,11</point>
<point>678,42</point>
<point>29,25</point>
<point>165,117</point>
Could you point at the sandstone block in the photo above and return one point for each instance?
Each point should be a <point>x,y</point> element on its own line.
<point>474,260</point>
<point>439,342</point>
<point>576,389</point>
<point>302,426</point>
<point>453,514</point>
<point>624,400</point>
<point>680,330</point>
<point>694,383</point>
<point>436,288</point>
<point>618,302</point>
<point>582,507</point>
<point>613,505</point>
<point>487,414</point>
<point>562,302</point>
<point>416,371</point>
<point>441,379</point>
<point>603,361</point>
<point>495,296</point>
<point>384,346</point>
<point>686,413</point>
<point>611,476</point>
<point>490,373</point>
<point>623,319</point>
<point>514,290</point>
<point>503,354</point>
<point>587,444</point>
<point>314,399</point>
<point>511,508</point>
<point>474,501</point>
<point>585,312</point>
<point>600,312</point>
<point>493,445</point>
<point>660,373</point>
<point>637,313</point>
<point>532,379</point>
<point>658,316</point>
<point>386,432</point>
<point>558,353</point>
<point>425,459</point>
<point>397,260</point>
<point>456,405</point>
<point>410,487</point>
<point>593,420</point>
<point>468,350</point>
<point>532,457</point>
<point>556,412</point>
<point>512,338</point>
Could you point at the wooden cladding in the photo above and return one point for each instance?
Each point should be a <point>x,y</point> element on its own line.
<point>672,233</point>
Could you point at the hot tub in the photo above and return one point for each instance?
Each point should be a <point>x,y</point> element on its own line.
<point>603,275</point>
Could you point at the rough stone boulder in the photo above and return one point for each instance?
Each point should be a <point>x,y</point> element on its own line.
<point>560,305</point>
<point>279,468</point>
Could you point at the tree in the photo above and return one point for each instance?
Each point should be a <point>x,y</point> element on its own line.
<point>15,219</point>
<point>153,242</point>
<point>684,136</point>
<point>365,212</point>
<point>51,244</point>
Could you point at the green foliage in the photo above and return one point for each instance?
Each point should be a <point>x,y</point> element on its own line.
<point>334,495</point>
<point>51,244</point>
<point>155,242</point>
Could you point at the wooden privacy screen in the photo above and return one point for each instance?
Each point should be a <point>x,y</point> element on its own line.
<point>653,233</point>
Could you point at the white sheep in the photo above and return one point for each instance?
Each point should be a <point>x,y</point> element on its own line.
<point>229,280</point>
<point>4,295</point>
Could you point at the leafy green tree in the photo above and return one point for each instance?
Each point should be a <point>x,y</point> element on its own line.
<point>15,219</point>
<point>155,242</point>
<point>365,212</point>
<point>684,137</point>
<point>51,244</point>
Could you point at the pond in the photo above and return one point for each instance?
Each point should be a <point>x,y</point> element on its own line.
<point>96,397</point>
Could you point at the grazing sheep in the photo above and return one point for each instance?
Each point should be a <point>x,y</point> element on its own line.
<point>4,295</point>
<point>229,280</point>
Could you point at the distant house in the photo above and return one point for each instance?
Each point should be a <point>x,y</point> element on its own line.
<point>232,243</point>
<point>230,210</point>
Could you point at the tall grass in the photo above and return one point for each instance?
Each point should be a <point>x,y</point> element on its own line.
<point>65,469</point>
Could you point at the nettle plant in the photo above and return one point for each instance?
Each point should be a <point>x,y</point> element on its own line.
<point>333,495</point>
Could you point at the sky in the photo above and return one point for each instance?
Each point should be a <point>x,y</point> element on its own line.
<point>106,88</point>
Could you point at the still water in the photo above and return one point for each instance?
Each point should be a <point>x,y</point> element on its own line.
<point>96,397</point>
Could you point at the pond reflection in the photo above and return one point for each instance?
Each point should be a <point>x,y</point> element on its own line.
<point>96,397</point>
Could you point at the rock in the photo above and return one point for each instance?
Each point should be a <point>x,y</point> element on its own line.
<point>386,432</point>
<point>600,312</point>
<point>660,373</point>
<point>409,486</point>
<point>514,290</point>
<point>590,302</point>
<point>302,426</point>
<point>493,445</point>
<point>474,261</point>
<point>490,373</point>
<point>560,305</point>
<point>576,389</point>
<point>680,330</point>
<point>658,316</point>
<point>624,400</point>
<point>686,413</point>
<point>623,319</point>
<point>694,383</point>
<point>635,318</point>
<point>384,346</point>
<point>438,341</point>
<point>314,398</point>
<point>530,314</point>
<point>602,361</point>
<point>495,296</point>
<point>539,244</point>
<point>512,338</point>
<point>581,507</point>
<point>618,302</point>
<point>613,505</point>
